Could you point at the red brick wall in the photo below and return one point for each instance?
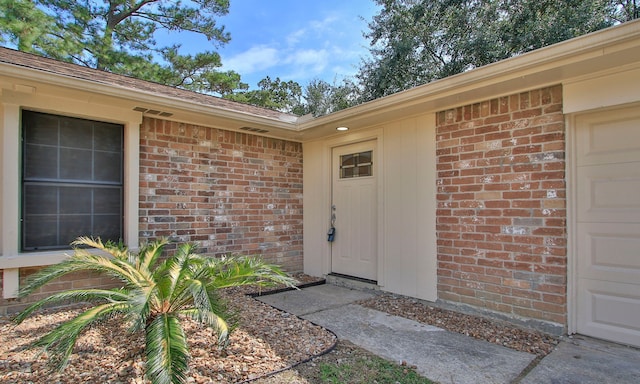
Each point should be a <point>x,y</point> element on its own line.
<point>230,192</point>
<point>501,218</point>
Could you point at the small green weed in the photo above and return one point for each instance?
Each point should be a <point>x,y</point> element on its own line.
<point>369,370</point>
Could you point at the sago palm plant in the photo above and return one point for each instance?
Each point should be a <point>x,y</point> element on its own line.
<point>155,293</point>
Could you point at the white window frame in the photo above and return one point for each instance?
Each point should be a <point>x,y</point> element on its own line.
<point>12,104</point>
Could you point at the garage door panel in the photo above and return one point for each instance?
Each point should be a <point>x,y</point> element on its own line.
<point>611,311</point>
<point>599,137</point>
<point>607,224</point>
<point>609,252</point>
<point>609,193</point>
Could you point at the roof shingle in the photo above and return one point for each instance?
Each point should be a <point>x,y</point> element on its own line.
<point>39,63</point>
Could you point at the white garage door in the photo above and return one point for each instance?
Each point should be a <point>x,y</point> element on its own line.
<point>608,225</point>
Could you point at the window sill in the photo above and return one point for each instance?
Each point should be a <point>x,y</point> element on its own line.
<point>34,259</point>
<point>10,266</point>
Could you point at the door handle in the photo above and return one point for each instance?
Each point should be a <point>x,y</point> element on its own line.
<point>331,234</point>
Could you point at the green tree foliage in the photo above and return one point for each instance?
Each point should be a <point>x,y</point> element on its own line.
<point>284,96</point>
<point>317,98</point>
<point>322,98</point>
<point>22,23</point>
<point>414,42</point>
<point>155,295</point>
<point>625,10</point>
<point>119,36</point>
<point>534,24</point>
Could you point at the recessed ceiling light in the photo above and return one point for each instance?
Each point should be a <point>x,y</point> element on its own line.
<point>342,129</point>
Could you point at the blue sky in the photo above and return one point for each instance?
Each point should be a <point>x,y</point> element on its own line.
<point>295,40</point>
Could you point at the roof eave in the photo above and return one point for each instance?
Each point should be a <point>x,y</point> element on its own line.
<point>600,51</point>
<point>283,126</point>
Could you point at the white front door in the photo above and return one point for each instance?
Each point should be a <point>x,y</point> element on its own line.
<point>608,224</point>
<point>354,251</point>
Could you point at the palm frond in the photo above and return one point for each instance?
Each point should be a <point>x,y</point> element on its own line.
<point>167,351</point>
<point>117,250</point>
<point>149,253</point>
<point>137,318</point>
<point>120,269</point>
<point>129,270</point>
<point>209,309</point>
<point>52,272</point>
<point>83,261</point>
<point>174,275</point>
<point>141,302</point>
<point>60,341</point>
<point>234,271</point>
<point>213,320</point>
<point>75,296</point>
<point>179,268</point>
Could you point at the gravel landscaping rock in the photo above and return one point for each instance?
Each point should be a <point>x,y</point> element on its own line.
<point>266,340</point>
<point>493,331</point>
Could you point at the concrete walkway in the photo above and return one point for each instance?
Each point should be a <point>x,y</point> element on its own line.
<point>447,357</point>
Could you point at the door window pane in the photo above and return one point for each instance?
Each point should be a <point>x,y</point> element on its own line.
<point>356,165</point>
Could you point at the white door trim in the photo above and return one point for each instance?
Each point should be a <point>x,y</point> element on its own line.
<point>347,139</point>
<point>572,198</point>
<point>354,205</point>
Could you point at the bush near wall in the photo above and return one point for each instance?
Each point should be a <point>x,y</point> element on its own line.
<point>501,217</point>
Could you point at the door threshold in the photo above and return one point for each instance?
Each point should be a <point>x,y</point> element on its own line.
<point>351,281</point>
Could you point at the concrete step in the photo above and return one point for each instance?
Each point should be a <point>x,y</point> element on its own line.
<point>352,282</point>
